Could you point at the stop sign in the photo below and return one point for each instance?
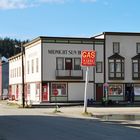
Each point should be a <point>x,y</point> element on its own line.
<point>55,92</point>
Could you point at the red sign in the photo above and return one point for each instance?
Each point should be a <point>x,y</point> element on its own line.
<point>88,58</point>
<point>55,92</point>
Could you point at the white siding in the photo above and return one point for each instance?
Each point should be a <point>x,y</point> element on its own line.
<point>99,77</point>
<point>14,64</point>
<point>31,54</point>
<point>49,60</point>
<point>127,50</point>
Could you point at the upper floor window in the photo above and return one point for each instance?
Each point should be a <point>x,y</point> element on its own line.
<point>116,67</point>
<point>77,62</point>
<point>116,47</point>
<point>32,66</point>
<point>138,47</point>
<point>136,67</point>
<point>28,66</point>
<point>37,64</point>
<point>98,67</point>
<point>68,63</point>
<point>59,63</point>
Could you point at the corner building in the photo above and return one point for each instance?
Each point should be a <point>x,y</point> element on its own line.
<point>52,63</point>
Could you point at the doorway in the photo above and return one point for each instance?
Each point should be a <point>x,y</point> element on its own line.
<point>68,63</point>
<point>99,92</point>
<point>45,93</point>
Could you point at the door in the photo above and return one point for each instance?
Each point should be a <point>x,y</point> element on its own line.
<point>68,63</point>
<point>99,92</point>
<point>45,93</point>
<point>128,90</point>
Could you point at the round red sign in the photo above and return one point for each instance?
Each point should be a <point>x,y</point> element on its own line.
<point>55,92</point>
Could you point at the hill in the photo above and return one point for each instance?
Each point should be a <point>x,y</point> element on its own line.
<point>7,46</point>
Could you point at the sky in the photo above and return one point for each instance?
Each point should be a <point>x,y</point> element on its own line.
<point>28,19</point>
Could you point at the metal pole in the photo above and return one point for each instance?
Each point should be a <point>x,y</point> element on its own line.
<point>23,95</point>
<point>85,95</point>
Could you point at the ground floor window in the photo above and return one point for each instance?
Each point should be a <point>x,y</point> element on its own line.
<point>37,88</point>
<point>137,89</point>
<point>61,89</point>
<point>115,89</point>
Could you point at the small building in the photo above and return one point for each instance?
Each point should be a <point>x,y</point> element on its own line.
<point>4,78</point>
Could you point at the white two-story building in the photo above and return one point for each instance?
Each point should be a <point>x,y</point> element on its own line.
<point>121,64</point>
<point>54,63</point>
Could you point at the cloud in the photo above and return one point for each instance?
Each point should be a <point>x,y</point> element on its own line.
<point>22,4</point>
<point>15,4</point>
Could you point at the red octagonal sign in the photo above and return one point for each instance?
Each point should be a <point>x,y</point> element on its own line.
<point>55,92</point>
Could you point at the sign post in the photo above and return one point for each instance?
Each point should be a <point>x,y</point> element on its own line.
<point>87,59</point>
<point>55,92</point>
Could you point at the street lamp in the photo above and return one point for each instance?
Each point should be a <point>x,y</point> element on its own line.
<point>22,59</point>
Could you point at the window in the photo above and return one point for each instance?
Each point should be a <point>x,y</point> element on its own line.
<point>28,67</point>
<point>68,63</point>
<point>61,88</point>
<point>77,64</point>
<point>59,63</point>
<point>115,89</point>
<point>32,66</point>
<point>36,64</point>
<point>136,69</point>
<point>138,47</point>
<point>19,71</point>
<point>98,67</point>
<point>116,67</point>
<point>37,89</point>
<point>116,47</point>
<point>28,88</point>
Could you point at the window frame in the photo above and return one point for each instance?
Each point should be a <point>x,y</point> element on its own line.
<point>57,63</point>
<point>74,67</point>
<point>118,47</point>
<point>99,71</point>
<point>122,72</point>
<point>136,61</point>
<point>137,47</point>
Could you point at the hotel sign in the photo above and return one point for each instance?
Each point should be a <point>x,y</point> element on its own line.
<point>88,58</point>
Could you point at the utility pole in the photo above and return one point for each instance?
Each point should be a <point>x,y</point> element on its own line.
<point>23,93</point>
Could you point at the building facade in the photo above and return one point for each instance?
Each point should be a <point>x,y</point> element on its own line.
<point>4,78</point>
<point>121,65</point>
<point>52,65</point>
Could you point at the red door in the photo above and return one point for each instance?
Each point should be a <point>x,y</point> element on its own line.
<point>45,93</point>
<point>99,92</point>
<point>68,64</point>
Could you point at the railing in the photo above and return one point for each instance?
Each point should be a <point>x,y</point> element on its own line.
<point>69,74</point>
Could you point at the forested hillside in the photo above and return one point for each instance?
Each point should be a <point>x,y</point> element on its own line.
<point>7,46</point>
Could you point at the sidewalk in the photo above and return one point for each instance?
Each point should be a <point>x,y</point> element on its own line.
<point>70,111</point>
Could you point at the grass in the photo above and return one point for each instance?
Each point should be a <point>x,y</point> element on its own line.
<point>87,114</point>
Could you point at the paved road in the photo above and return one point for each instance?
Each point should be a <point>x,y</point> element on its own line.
<point>34,124</point>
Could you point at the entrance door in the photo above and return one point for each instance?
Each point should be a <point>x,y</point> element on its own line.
<point>99,92</point>
<point>45,93</point>
<point>128,90</point>
<point>68,63</point>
